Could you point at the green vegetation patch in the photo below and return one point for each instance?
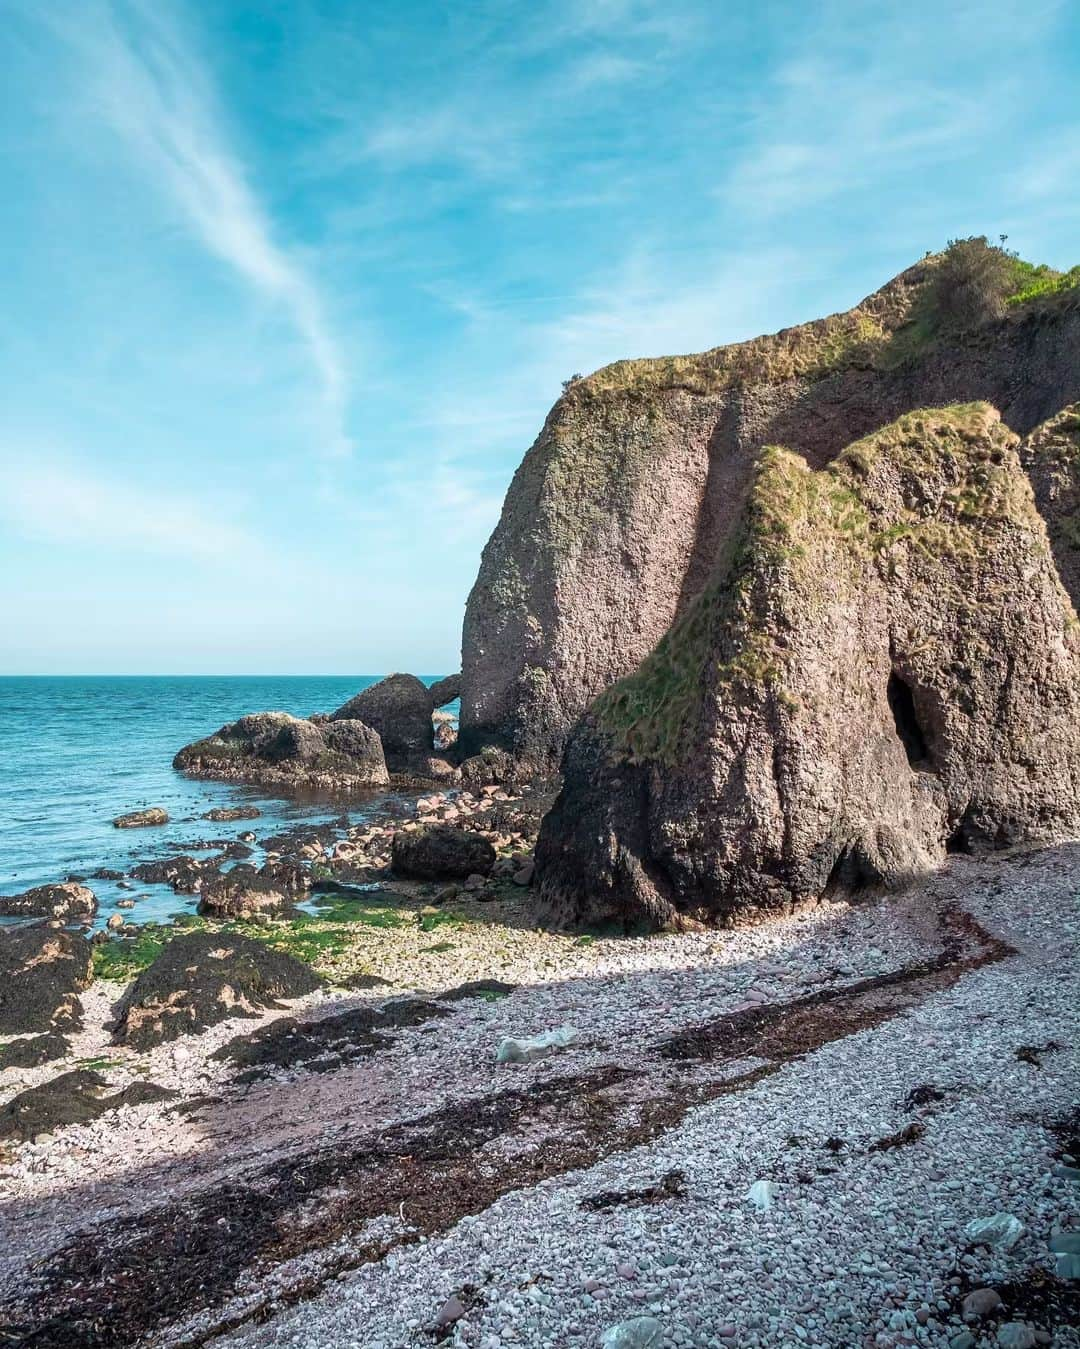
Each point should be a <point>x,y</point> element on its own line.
<point>795,524</point>
<point>969,283</point>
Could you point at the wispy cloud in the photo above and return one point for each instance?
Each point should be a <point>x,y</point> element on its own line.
<point>150,84</point>
<point>59,501</point>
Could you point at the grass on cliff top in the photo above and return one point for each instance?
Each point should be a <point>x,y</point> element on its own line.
<point>890,328</point>
<point>791,512</point>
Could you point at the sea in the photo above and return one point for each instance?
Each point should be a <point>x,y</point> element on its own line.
<point>76,751</point>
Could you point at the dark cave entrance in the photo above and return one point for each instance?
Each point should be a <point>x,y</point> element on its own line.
<point>906,721</point>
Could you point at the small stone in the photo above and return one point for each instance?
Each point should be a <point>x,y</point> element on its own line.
<point>115,921</point>
<point>981,1302</point>
<point>453,1309</point>
<point>1001,1230</point>
<point>1016,1335</point>
<point>641,1332</point>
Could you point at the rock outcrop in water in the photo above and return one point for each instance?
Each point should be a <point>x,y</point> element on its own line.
<point>883,666</point>
<point>275,749</point>
<point>616,516</point>
<point>400,708</point>
<point>67,901</point>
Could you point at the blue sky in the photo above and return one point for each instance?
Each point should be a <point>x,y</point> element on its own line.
<point>288,289</point>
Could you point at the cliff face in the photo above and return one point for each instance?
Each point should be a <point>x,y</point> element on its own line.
<point>1051,455</point>
<point>882,667</point>
<point>615,518</point>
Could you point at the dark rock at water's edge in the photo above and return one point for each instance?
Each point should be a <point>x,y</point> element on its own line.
<point>185,874</point>
<point>444,691</point>
<point>438,851</point>
<point>399,708</point>
<point>245,891</point>
<point>883,667</point>
<point>276,749</point>
<point>67,901</point>
<point>203,978</point>
<point>221,814</point>
<point>76,1097</point>
<point>42,972</point>
<point>152,817</point>
<point>616,517</point>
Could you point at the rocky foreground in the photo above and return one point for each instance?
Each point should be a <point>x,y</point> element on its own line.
<point>780,1135</point>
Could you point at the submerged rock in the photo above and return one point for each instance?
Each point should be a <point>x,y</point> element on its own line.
<point>438,851</point>
<point>616,516</point>
<point>42,972</point>
<point>152,817</point>
<point>221,814</point>
<point>203,978</point>
<point>274,748</point>
<point>66,901</point>
<point>884,667</point>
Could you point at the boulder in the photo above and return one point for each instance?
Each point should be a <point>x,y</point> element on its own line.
<point>276,749</point>
<point>222,814</point>
<point>68,901</point>
<point>202,978</point>
<point>615,517</point>
<point>884,668</point>
<point>438,852</point>
<point>445,691</point>
<point>241,892</point>
<point>42,972</point>
<point>1051,455</point>
<point>152,817</point>
<point>185,874</point>
<point>399,708</point>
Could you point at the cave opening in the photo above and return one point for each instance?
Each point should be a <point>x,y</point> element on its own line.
<point>906,721</point>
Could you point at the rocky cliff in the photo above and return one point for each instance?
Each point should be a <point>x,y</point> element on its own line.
<point>614,520</point>
<point>881,667</point>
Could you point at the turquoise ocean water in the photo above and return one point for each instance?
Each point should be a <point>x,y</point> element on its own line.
<point>75,752</point>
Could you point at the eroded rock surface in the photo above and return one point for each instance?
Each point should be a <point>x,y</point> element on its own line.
<point>883,667</point>
<point>1051,455</point>
<point>275,748</point>
<point>42,972</point>
<point>67,901</point>
<point>615,517</point>
<point>204,978</point>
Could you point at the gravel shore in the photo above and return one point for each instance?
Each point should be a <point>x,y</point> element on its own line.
<point>881,1143</point>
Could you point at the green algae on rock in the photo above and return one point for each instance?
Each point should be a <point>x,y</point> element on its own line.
<point>883,667</point>
<point>619,511</point>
